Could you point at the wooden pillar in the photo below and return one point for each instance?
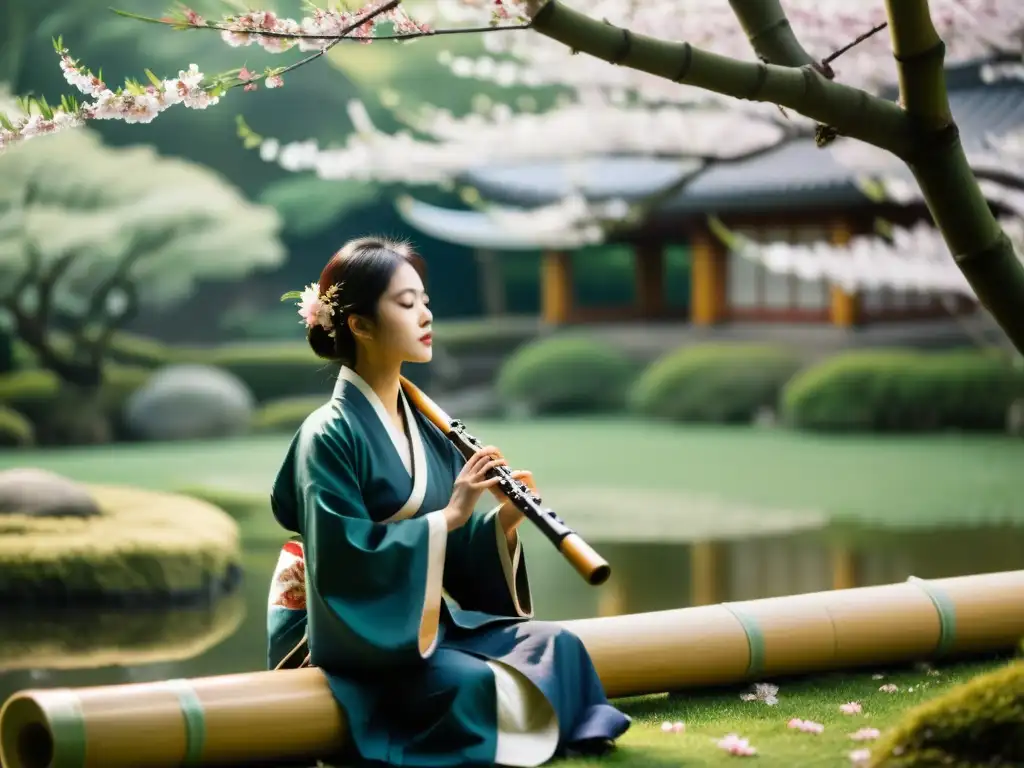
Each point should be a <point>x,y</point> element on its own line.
<point>649,263</point>
<point>844,306</point>
<point>708,277</point>
<point>707,573</point>
<point>845,573</point>
<point>556,287</point>
<point>492,282</point>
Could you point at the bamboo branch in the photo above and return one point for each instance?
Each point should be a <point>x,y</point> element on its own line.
<point>919,54</point>
<point>771,36</point>
<point>851,111</point>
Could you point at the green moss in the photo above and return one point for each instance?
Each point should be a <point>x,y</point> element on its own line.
<point>144,543</point>
<point>978,724</point>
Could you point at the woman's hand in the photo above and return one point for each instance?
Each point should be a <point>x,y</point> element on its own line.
<point>470,484</point>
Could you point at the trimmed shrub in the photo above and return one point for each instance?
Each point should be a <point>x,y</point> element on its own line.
<point>34,393</point>
<point>273,371</point>
<point>720,383</point>
<point>566,374</point>
<point>905,390</point>
<point>240,505</point>
<point>129,349</point>
<point>976,724</point>
<point>189,402</point>
<point>31,393</point>
<point>285,415</point>
<point>15,430</point>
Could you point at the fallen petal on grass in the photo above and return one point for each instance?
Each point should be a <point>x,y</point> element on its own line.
<point>860,756</point>
<point>735,745</point>
<point>865,734</point>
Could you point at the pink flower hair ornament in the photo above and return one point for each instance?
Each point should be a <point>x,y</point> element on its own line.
<point>315,308</point>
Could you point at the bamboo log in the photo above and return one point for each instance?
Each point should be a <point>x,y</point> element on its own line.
<point>291,715</point>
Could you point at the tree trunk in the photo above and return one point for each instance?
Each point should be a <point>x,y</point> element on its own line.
<point>77,417</point>
<point>492,282</point>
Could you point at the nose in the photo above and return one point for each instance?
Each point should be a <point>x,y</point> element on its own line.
<point>426,316</point>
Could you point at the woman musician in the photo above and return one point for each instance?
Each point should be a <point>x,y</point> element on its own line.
<point>416,608</point>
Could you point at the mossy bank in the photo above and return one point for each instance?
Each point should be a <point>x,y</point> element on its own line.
<point>145,547</point>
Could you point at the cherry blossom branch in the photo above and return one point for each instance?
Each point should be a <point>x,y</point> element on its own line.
<point>851,111</point>
<point>198,23</point>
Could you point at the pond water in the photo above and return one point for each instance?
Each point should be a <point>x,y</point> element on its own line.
<point>109,647</point>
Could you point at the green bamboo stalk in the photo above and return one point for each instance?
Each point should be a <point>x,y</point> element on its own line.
<point>979,246</point>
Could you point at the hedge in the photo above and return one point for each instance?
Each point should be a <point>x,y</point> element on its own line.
<point>125,348</point>
<point>33,393</point>
<point>15,430</point>
<point>721,383</point>
<point>903,390</point>
<point>285,415</point>
<point>978,723</point>
<point>272,371</point>
<point>566,374</point>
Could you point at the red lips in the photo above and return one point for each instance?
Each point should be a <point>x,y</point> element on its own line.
<point>426,339</point>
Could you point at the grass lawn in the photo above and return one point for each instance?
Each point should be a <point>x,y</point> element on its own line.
<point>897,481</point>
<point>709,716</point>
<point>660,468</point>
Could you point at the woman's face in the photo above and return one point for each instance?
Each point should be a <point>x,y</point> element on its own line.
<point>403,318</point>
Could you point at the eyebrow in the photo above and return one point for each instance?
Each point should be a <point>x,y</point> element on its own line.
<point>408,290</point>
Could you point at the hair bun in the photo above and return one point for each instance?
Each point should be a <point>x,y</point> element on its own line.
<point>322,343</point>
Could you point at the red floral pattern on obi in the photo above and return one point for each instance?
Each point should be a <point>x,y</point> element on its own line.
<point>288,585</point>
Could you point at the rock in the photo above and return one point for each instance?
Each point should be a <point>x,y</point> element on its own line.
<point>40,493</point>
<point>1015,418</point>
<point>190,402</point>
<point>765,417</point>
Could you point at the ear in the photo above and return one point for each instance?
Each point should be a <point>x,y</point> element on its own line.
<point>360,327</point>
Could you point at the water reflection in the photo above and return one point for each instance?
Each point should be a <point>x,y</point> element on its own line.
<point>228,637</point>
<point>99,638</point>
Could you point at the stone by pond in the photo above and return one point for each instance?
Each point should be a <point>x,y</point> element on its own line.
<point>129,546</point>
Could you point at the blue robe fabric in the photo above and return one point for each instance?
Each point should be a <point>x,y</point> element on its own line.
<point>407,664</point>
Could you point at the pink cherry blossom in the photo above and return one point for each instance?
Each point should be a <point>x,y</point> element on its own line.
<point>865,734</point>
<point>860,756</point>
<point>734,745</point>
<point>850,708</point>
<point>676,727</point>
<point>275,81</point>
<point>310,306</point>
<point>805,726</point>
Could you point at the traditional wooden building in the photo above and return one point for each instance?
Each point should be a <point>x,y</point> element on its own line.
<point>795,192</point>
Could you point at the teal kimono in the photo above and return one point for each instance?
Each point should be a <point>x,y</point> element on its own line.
<point>426,637</point>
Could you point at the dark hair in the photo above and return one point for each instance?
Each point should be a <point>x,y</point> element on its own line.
<point>362,270</point>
